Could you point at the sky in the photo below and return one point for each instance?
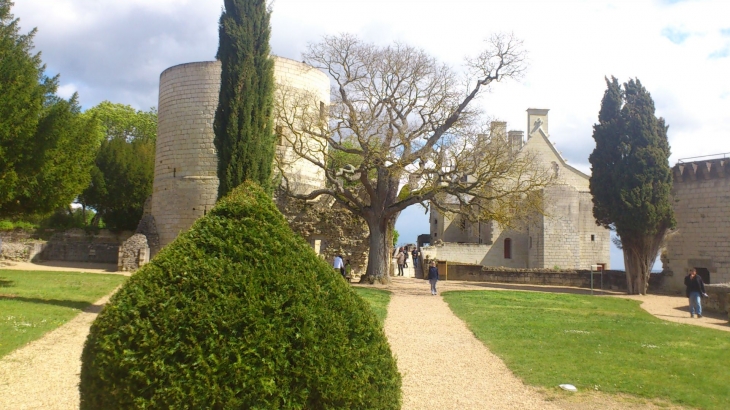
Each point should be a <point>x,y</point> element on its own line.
<point>115,50</point>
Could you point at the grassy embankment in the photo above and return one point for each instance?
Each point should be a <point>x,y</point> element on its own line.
<point>378,300</point>
<point>599,343</point>
<point>33,303</point>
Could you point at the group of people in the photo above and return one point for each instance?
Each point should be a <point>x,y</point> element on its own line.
<point>344,267</point>
<point>402,258</point>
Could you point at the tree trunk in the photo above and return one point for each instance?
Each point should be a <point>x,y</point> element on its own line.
<point>640,253</point>
<point>378,257</point>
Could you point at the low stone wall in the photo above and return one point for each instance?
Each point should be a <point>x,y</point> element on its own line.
<point>74,245</point>
<point>718,298</point>
<point>612,279</point>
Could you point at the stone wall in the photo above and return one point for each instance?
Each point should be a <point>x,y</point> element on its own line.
<point>701,199</point>
<point>612,280</point>
<point>133,254</point>
<point>186,183</point>
<point>76,245</point>
<point>718,299</point>
<point>329,228</point>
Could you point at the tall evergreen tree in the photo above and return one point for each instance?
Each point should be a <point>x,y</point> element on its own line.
<point>243,124</point>
<point>46,145</point>
<point>631,179</point>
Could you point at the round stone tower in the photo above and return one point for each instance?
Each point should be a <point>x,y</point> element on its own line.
<point>186,182</point>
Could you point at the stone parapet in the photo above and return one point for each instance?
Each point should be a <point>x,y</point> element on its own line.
<point>701,203</point>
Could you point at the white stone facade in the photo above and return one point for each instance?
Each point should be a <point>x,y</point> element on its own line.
<point>566,236</point>
<point>701,199</point>
<point>186,184</point>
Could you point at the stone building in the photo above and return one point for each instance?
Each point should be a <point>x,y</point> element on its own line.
<point>185,183</point>
<point>566,236</point>
<point>701,199</point>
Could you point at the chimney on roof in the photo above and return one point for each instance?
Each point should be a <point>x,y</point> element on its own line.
<point>498,128</point>
<point>537,122</point>
<point>516,140</point>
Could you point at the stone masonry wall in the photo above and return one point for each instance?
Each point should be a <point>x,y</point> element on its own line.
<point>186,183</point>
<point>701,199</point>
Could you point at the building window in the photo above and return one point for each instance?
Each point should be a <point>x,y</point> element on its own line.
<point>508,248</point>
<point>593,238</point>
<point>462,224</point>
<point>531,242</point>
<point>435,222</point>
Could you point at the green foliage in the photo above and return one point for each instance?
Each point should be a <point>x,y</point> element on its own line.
<point>33,303</point>
<point>631,179</point>
<point>238,312</point>
<point>396,235</point>
<point>121,179</point>
<point>67,218</point>
<point>598,343</point>
<point>6,225</point>
<point>243,124</point>
<point>46,144</point>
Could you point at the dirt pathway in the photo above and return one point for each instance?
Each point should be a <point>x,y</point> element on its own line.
<point>44,374</point>
<point>443,365</point>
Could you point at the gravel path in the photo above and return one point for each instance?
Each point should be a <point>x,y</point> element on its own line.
<point>44,374</point>
<point>443,365</point>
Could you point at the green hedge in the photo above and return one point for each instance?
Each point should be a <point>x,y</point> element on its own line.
<point>238,313</point>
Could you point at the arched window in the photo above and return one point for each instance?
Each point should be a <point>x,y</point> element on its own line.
<point>508,248</point>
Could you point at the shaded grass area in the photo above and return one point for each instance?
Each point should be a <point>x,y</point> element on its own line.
<point>35,302</point>
<point>599,343</point>
<point>378,300</point>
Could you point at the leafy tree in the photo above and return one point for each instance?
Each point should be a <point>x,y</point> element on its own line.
<point>243,125</point>
<point>124,167</point>
<point>406,119</point>
<point>631,179</point>
<point>46,144</point>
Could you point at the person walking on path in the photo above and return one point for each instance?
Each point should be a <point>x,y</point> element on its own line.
<point>433,276</point>
<point>339,265</point>
<point>695,289</point>
<point>415,257</point>
<point>401,261</point>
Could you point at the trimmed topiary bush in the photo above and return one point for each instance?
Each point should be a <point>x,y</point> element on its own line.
<point>238,312</point>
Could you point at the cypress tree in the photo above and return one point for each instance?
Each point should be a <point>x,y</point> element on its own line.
<point>631,179</point>
<point>243,124</point>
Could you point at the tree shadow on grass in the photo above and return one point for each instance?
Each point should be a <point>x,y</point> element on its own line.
<point>6,283</point>
<point>73,304</point>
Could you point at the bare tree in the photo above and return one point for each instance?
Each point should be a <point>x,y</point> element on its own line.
<point>400,131</point>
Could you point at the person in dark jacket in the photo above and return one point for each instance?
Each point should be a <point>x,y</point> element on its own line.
<point>695,289</point>
<point>433,276</point>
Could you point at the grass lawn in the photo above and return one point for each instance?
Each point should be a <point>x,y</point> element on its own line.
<point>33,303</point>
<point>378,300</point>
<point>599,343</point>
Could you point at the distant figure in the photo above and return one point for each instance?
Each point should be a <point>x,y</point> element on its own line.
<point>414,253</point>
<point>695,289</point>
<point>433,276</point>
<point>401,261</point>
<point>339,266</point>
<point>405,256</point>
<point>348,270</point>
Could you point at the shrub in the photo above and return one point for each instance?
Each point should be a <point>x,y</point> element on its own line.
<point>238,313</point>
<point>6,226</point>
